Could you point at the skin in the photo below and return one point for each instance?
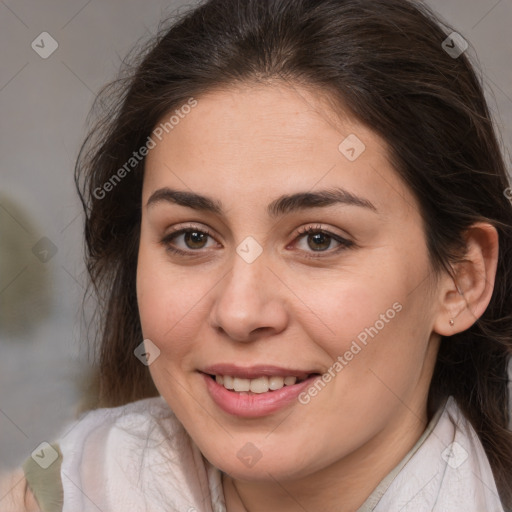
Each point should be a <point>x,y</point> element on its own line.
<point>245,146</point>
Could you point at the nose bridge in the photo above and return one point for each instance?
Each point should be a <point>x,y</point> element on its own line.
<point>245,277</point>
<point>248,299</point>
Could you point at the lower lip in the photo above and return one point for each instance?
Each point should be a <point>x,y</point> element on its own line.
<point>254,405</point>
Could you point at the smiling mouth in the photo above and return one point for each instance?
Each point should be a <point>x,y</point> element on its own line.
<point>262,384</point>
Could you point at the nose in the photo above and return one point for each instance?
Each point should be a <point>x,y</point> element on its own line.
<point>250,302</point>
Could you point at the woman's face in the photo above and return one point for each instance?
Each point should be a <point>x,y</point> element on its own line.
<point>350,305</point>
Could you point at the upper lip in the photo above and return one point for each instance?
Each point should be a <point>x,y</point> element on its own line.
<point>255,371</point>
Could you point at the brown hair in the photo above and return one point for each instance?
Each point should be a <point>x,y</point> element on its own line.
<point>384,60</point>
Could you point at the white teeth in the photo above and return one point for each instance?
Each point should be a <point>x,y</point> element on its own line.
<point>228,382</point>
<point>290,381</point>
<point>276,383</point>
<point>259,385</point>
<point>241,384</point>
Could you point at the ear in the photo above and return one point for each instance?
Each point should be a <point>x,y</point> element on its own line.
<point>465,296</point>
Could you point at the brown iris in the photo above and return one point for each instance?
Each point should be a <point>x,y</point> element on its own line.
<point>195,239</point>
<point>321,241</point>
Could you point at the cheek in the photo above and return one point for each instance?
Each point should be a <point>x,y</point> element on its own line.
<point>171,303</point>
<point>170,308</point>
<point>376,324</point>
<point>343,307</point>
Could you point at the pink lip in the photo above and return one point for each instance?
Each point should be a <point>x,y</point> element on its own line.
<point>253,405</point>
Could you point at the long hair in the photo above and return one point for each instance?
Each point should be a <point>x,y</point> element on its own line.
<point>384,61</point>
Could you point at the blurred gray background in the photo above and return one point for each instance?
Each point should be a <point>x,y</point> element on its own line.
<point>43,107</point>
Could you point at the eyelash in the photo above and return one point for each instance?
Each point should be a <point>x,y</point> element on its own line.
<point>306,230</point>
<point>166,241</point>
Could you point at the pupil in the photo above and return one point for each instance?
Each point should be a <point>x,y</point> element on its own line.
<point>194,239</point>
<point>322,240</point>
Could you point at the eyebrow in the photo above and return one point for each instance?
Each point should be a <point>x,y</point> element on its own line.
<point>280,206</point>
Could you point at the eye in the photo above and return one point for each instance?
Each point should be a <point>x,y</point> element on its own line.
<point>187,240</point>
<point>312,239</point>
<point>316,239</point>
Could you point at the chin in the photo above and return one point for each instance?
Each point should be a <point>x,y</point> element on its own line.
<point>264,469</point>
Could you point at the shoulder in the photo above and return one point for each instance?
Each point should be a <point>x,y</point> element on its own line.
<point>449,470</point>
<point>135,457</point>
<point>101,451</point>
<point>129,432</point>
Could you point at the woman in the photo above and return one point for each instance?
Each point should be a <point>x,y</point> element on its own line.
<point>297,222</point>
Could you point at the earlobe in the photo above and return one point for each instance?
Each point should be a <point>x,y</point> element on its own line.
<point>465,295</point>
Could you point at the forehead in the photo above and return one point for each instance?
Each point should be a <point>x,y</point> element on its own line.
<point>270,139</point>
<point>283,120</point>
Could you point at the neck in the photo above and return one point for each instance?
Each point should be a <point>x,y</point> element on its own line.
<point>341,487</point>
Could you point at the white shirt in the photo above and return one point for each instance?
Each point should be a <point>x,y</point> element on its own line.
<point>139,458</point>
